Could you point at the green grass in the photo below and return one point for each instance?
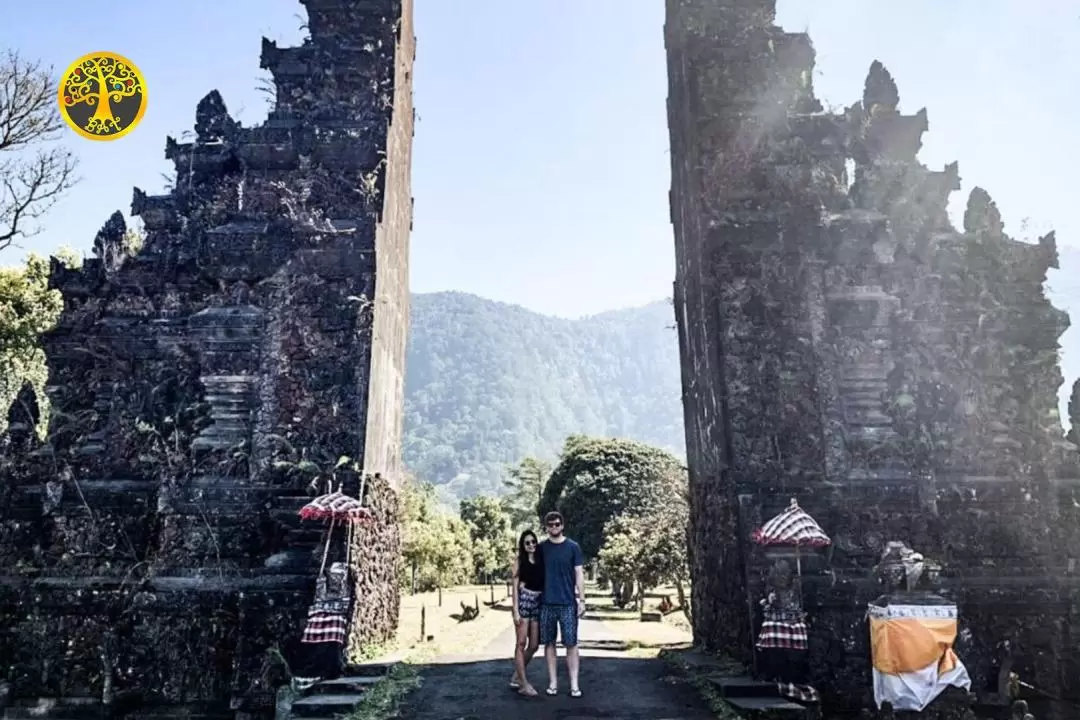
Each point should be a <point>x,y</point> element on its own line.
<point>383,699</point>
<point>371,651</point>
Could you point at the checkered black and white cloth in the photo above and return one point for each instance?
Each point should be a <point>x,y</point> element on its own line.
<point>325,627</point>
<point>792,527</point>
<point>799,693</point>
<point>783,635</point>
<point>336,505</point>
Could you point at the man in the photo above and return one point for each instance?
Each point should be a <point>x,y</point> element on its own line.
<point>563,601</point>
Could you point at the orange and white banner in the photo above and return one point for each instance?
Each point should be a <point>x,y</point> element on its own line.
<point>913,657</point>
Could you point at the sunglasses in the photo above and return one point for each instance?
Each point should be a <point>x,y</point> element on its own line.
<point>554,523</point>
<point>529,542</point>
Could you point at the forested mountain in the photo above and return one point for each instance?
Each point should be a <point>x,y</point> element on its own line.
<point>489,383</point>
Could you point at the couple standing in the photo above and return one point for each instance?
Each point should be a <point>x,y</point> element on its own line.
<point>549,598</point>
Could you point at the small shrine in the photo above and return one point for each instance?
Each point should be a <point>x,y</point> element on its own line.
<point>321,654</point>
<point>912,632</point>
<point>783,640</point>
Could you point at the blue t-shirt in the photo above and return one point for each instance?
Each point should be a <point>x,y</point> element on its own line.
<point>560,559</point>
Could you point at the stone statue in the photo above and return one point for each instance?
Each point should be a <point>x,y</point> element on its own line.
<point>912,630</point>
<point>109,243</point>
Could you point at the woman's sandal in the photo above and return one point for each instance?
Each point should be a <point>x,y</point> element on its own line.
<point>552,690</point>
<point>575,693</point>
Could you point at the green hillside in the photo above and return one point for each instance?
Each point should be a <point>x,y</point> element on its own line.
<point>489,383</point>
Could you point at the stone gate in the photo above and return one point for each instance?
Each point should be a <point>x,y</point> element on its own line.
<point>842,343</point>
<point>150,552</point>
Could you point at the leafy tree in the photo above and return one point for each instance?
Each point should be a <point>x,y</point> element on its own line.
<point>27,309</point>
<point>648,549</point>
<point>525,488</point>
<point>490,533</point>
<point>435,552</point>
<point>34,172</point>
<point>620,556</point>
<point>598,479</point>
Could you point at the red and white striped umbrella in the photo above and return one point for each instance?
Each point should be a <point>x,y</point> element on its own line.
<point>336,506</point>
<point>792,527</point>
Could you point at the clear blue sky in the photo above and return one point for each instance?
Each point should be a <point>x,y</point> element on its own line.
<point>541,167</point>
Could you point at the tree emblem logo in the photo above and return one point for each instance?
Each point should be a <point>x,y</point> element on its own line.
<point>102,96</point>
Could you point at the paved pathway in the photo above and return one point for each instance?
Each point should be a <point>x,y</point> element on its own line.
<point>614,686</point>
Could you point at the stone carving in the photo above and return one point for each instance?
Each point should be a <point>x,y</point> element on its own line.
<point>212,120</point>
<point>912,632</point>
<point>109,243</point>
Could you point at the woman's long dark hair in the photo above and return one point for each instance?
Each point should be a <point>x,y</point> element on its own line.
<point>523,554</point>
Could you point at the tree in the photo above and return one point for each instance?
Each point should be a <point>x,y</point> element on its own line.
<point>28,307</point>
<point>526,488</point>
<point>29,118</point>
<point>647,549</point>
<point>99,82</point>
<point>598,479</point>
<point>435,552</point>
<point>490,533</point>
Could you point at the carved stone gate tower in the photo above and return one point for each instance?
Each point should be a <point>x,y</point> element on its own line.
<point>150,553</point>
<point>842,343</point>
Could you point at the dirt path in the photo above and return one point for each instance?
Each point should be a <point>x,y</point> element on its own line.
<point>614,686</point>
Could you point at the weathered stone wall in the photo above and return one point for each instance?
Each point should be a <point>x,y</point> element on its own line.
<point>376,548</point>
<point>844,344</point>
<point>386,381</point>
<point>150,552</point>
<point>743,329</point>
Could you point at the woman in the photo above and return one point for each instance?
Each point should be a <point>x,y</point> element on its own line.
<point>528,584</point>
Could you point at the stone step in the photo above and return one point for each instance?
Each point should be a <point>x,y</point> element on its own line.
<point>372,669</point>
<point>744,687</point>
<point>352,684</point>
<point>768,707</point>
<point>326,705</point>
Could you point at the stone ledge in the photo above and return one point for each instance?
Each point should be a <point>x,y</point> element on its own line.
<point>172,583</point>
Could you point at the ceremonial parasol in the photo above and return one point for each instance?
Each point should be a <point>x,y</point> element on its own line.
<point>337,506</point>
<point>792,528</point>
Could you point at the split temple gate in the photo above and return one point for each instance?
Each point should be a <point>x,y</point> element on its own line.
<point>840,341</point>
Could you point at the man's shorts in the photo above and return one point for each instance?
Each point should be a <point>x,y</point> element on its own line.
<point>556,620</point>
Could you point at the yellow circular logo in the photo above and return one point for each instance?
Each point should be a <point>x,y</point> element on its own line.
<point>102,96</point>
